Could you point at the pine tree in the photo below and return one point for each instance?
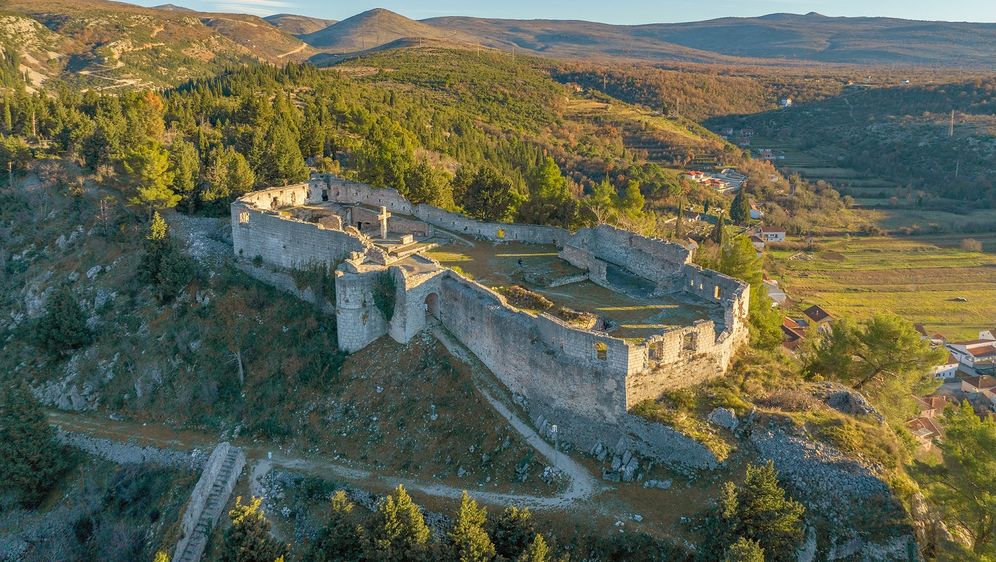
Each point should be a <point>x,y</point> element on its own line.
<point>512,531</point>
<point>32,459</point>
<point>744,550</point>
<point>283,161</point>
<point>632,201</point>
<point>491,196</point>
<point>63,327</point>
<point>149,169</point>
<point>185,166</point>
<point>740,208</point>
<point>468,539</point>
<point>339,541</point>
<point>604,201</point>
<point>759,510</point>
<point>398,532</point>
<point>163,265</point>
<point>6,119</point>
<point>248,539</point>
<point>537,551</point>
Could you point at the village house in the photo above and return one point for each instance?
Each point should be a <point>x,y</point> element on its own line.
<point>924,430</point>
<point>931,406</point>
<point>818,316</point>
<point>775,292</point>
<point>793,334</point>
<point>755,213</point>
<point>770,234</point>
<point>758,244</point>
<point>936,339</point>
<point>948,369</point>
<point>982,387</point>
<point>976,356</point>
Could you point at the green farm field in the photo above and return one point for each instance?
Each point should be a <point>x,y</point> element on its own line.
<point>949,290</point>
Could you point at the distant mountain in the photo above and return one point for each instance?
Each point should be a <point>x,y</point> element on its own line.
<point>172,8</point>
<point>378,27</point>
<point>811,37</point>
<point>298,25</point>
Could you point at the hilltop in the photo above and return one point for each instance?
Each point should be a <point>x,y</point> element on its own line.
<point>298,25</point>
<point>377,27</point>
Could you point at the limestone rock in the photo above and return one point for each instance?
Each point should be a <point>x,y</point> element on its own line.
<point>93,271</point>
<point>847,400</point>
<point>724,417</point>
<point>658,484</point>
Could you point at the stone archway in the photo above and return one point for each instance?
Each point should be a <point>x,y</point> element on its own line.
<point>432,306</point>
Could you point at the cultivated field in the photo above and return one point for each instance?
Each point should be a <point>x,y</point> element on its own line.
<point>950,290</point>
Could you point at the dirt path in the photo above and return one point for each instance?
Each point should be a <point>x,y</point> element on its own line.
<point>293,51</point>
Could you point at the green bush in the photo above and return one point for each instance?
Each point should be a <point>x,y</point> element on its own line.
<point>63,326</point>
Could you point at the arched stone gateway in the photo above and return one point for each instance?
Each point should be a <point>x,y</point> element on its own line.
<point>431,306</point>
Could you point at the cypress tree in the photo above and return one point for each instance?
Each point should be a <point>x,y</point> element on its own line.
<point>740,208</point>
<point>719,231</point>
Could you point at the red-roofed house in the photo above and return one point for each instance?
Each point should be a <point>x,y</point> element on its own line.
<point>979,356</point>
<point>771,234</point>
<point>793,334</point>
<point>924,430</point>
<point>984,386</point>
<point>931,406</point>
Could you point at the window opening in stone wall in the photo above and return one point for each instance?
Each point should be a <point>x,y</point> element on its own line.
<point>601,351</point>
<point>689,342</point>
<point>657,350</point>
<point>244,217</point>
<point>325,195</point>
<point>274,203</point>
<point>293,198</point>
<point>716,292</point>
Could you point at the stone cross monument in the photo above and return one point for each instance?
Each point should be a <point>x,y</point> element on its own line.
<point>382,218</point>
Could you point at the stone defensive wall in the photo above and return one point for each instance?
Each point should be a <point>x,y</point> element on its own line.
<point>585,381</point>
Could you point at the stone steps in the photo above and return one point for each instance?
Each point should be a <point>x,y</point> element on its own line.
<point>208,500</point>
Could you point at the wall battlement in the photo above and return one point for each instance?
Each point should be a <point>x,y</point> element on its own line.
<point>575,376</point>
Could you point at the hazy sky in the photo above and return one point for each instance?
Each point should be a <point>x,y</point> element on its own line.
<point>613,11</point>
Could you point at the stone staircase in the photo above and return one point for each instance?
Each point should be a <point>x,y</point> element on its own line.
<point>208,501</point>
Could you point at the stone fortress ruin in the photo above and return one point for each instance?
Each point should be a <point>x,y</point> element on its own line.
<point>580,326</point>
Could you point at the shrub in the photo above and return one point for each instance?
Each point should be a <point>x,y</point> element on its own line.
<point>63,326</point>
<point>971,245</point>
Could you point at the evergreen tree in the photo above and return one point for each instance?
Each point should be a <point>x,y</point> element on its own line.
<point>228,175</point>
<point>537,551</point>
<point>512,531</point>
<point>632,202</point>
<point>6,119</point>
<point>340,540</point>
<point>248,539</point>
<point>740,208</point>
<point>744,550</point>
<point>163,264</point>
<point>550,201</point>
<point>149,168</point>
<point>283,162</point>
<point>719,231</point>
<point>63,327</point>
<point>757,511</point>
<point>491,196</point>
<point>185,165</point>
<point>33,460</point>
<point>398,532</point>
<point>883,349</point>
<point>425,184</point>
<point>468,539</point>
<point>604,201</point>
<point>966,491</point>
<point>679,221</point>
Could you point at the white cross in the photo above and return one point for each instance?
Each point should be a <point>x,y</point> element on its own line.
<point>382,217</point>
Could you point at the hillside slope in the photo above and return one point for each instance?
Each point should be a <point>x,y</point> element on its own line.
<point>106,45</point>
<point>810,38</point>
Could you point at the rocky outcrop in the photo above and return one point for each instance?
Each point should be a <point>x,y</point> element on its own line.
<point>846,400</point>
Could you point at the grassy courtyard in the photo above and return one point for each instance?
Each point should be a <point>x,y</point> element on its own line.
<point>518,264</point>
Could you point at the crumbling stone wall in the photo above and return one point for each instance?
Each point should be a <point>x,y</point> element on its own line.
<point>278,239</point>
<point>655,260</point>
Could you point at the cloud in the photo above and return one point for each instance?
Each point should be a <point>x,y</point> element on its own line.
<point>258,7</point>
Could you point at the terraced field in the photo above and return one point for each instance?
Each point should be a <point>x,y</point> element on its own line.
<point>950,290</point>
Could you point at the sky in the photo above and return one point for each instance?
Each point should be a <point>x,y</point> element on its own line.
<point>614,11</point>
